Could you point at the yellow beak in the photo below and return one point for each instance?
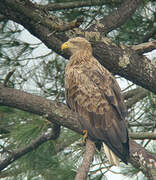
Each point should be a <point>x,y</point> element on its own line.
<point>65,45</point>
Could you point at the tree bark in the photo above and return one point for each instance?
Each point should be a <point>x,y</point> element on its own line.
<point>77,4</point>
<point>121,60</point>
<point>125,61</point>
<point>87,160</point>
<point>58,113</point>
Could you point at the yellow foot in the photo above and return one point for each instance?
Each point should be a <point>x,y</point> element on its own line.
<point>85,132</point>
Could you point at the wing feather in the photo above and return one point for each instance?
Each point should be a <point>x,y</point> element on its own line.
<point>93,92</point>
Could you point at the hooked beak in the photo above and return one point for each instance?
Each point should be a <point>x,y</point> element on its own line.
<point>65,45</point>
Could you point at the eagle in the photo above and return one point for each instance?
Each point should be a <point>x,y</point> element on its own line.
<point>93,92</point>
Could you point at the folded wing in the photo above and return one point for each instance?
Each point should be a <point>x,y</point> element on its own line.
<point>94,93</point>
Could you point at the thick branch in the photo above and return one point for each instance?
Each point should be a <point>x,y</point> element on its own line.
<point>55,112</point>
<point>60,114</point>
<point>139,157</point>
<point>117,17</point>
<point>87,160</point>
<point>16,154</point>
<point>119,60</point>
<point>127,63</point>
<point>76,4</point>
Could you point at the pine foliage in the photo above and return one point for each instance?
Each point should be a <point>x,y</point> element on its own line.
<point>43,74</point>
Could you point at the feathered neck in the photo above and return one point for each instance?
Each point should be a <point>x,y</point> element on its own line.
<point>80,56</point>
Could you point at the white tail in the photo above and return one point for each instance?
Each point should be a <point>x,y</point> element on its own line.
<point>113,159</point>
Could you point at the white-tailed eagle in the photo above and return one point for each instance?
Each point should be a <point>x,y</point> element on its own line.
<point>94,94</point>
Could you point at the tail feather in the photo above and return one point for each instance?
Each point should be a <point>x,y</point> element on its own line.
<point>113,159</point>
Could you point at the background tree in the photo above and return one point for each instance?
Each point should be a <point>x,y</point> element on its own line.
<point>122,34</point>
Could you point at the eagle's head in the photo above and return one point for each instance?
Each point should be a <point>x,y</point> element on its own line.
<point>76,45</point>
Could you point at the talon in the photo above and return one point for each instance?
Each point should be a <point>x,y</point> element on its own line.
<point>85,132</point>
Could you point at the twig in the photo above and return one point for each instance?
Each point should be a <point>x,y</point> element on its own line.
<point>87,159</point>
<point>137,97</point>
<point>8,76</point>
<point>132,92</point>
<point>67,26</point>
<point>143,124</point>
<point>143,135</point>
<point>14,155</point>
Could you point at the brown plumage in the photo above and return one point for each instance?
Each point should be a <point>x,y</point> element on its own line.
<point>93,92</point>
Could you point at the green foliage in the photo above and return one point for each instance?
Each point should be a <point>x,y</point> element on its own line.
<point>51,80</point>
<point>138,26</point>
<point>131,172</point>
<point>40,71</point>
<point>43,161</point>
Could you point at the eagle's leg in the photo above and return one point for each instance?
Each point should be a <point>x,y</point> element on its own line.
<point>85,132</point>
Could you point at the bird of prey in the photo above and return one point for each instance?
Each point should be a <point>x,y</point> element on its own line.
<point>95,95</point>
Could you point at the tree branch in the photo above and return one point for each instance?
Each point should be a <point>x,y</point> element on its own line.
<point>134,95</point>
<point>145,124</point>
<point>144,47</point>
<point>76,4</point>
<point>8,76</point>
<point>116,18</point>
<point>143,135</point>
<point>68,26</point>
<point>16,154</point>
<point>129,94</point>
<point>60,114</point>
<point>137,97</point>
<point>123,61</point>
<point>143,160</point>
<point>87,160</point>
<point>126,63</point>
<point>149,34</point>
<point>119,60</point>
